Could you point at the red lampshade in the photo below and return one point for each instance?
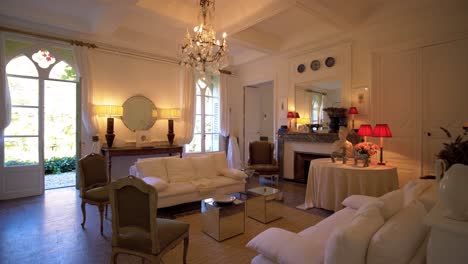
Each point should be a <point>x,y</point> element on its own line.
<point>290,114</point>
<point>382,130</point>
<point>365,130</point>
<point>353,110</point>
<point>296,115</point>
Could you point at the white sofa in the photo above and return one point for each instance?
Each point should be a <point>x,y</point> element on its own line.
<point>388,229</point>
<point>189,179</point>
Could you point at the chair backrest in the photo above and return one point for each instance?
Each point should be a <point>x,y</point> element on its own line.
<point>261,152</point>
<point>93,170</point>
<point>134,209</point>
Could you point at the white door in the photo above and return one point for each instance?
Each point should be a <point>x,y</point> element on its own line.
<point>445,96</point>
<point>252,117</point>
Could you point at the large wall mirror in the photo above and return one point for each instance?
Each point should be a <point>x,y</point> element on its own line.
<point>312,97</point>
<point>138,113</point>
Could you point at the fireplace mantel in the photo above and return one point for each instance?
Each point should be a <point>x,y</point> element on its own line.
<point>321,144</point>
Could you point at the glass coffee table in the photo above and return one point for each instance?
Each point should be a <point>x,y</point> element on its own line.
<point>223,221</point>
<point>261,204</point>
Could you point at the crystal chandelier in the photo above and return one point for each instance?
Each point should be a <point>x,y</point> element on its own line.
<point>203,51</point>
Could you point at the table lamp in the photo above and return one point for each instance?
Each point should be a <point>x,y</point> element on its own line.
<point>381,130</point>
<point>290,116</point>
<point>170,114</point>
<point>353,111</point>
<point>296,116</point>
<point>364,131</point>
<point>110,111</point>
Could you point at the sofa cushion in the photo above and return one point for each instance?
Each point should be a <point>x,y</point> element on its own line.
<point>270,243</point>
<point>392,203</point>
<point>220,161</point>
<point>348,243</point>
<point>221,181</point>
<point>158,183</point>
<point>233,174</point>
<point>154,167</point>
<point>204,166</point>
<point>356,201</point>
<point>178,188</point>
<point>399,238</point>
<point>180,170</point>
<point>414,189</point>
<point>98,194</point>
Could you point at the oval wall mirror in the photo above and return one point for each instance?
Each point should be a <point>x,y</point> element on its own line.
<point>138,113</point>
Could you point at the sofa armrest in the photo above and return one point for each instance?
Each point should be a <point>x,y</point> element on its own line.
<point>233,174</point>
<point>134,171</point>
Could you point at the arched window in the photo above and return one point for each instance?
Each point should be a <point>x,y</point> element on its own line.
<point>62,71</point>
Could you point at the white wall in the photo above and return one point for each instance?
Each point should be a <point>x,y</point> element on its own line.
<point>117,77</point>
<point>415,27</point>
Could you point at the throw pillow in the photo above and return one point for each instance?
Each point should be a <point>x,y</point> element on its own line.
<point>392,203</point>
<point>220,161</point>
<point>400,237</point>
<point>155,167</point>
<point>270,242</point>
<point>157,183</point>
<point>356,201</point>
<point>348,243</point>
<point>204,166</point>
<point>233,174</point>
<point>180,170</point>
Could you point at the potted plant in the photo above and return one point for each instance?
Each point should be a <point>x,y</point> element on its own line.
<point>337,117</point>
<point>456,151</point>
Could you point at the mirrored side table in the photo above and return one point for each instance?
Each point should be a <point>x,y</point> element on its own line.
<point>261,204</point>
<point>223,221</point>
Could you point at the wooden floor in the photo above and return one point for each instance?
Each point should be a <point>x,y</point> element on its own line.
<point>46,228</point>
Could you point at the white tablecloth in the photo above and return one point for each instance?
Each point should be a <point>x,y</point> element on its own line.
<point>330,183</point>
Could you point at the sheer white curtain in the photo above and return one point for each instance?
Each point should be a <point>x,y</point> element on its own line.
<point>187,93</point>
<point>5,100</point>
<point>88,119</point>
<point>224,103</point>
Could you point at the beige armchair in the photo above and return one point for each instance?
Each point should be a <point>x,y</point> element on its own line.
<point>261,159</point>
<point>93,184</point>
<point>135,228</point>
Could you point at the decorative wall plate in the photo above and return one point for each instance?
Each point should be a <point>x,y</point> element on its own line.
<point>315,65</point>
<point>330,61</point>
<point>301,68</point>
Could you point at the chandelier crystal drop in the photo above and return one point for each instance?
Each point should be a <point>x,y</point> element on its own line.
<point>203,51</point>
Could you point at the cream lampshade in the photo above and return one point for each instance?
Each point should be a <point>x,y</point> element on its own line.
<point>110,111</point>
<point>170,114</point>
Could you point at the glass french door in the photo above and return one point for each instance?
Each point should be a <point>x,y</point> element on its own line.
<point>40,88</point>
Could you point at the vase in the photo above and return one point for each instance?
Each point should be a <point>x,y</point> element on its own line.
<point>334,124</point>
<point>364,157</point>
<point>453,194</point>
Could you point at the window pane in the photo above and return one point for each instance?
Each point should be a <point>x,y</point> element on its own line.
<point>43,58</point>
<point>24,121</point>
<point>208,124</point>
<point>208,106</point>
<point>21,151</point>
<point>215,142</point>
<point>209,143</point>
<point>23,91</point>
<point>195,145</point>
<point>62,71</point>
<point>197,128</point>
<point>198,106</point>
<point>198,90</point>
<point>208,92</point>
<point>60,119</point>
<point>21,65</point>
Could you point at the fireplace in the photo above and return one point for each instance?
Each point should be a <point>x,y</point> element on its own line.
<point>302,163</point>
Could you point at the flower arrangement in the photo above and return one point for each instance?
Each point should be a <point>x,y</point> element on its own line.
<point>336,111</point>
<point>366,148</point>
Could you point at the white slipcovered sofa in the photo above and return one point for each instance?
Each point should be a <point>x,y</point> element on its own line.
<point>388,229</point>
<point>189,179</point>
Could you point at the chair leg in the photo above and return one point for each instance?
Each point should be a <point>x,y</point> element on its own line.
<point>107,211</point>
<point>101,214</point>
<point>186,243</point>
<point>114,257</point>
<point>83,211</point>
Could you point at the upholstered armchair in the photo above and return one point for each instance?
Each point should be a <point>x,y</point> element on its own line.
<point>261,159</point>
<point>135,228</point>
<point>94,184</point>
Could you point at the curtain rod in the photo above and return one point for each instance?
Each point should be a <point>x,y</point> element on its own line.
<point>94,46</point>
<point>322,93</point>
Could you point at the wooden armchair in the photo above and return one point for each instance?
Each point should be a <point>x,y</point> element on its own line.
<point>94,184</point>
<point>135,228</point>
<point>261,159</point>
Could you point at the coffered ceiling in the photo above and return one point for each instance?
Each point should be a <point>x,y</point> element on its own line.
<point>255,28</point>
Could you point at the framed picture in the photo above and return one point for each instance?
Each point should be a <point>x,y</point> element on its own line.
<point>143,138</point>
<point>360,99</point>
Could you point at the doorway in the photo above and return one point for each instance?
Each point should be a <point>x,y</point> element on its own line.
<point>258,114</point>
<point>39,146</point>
